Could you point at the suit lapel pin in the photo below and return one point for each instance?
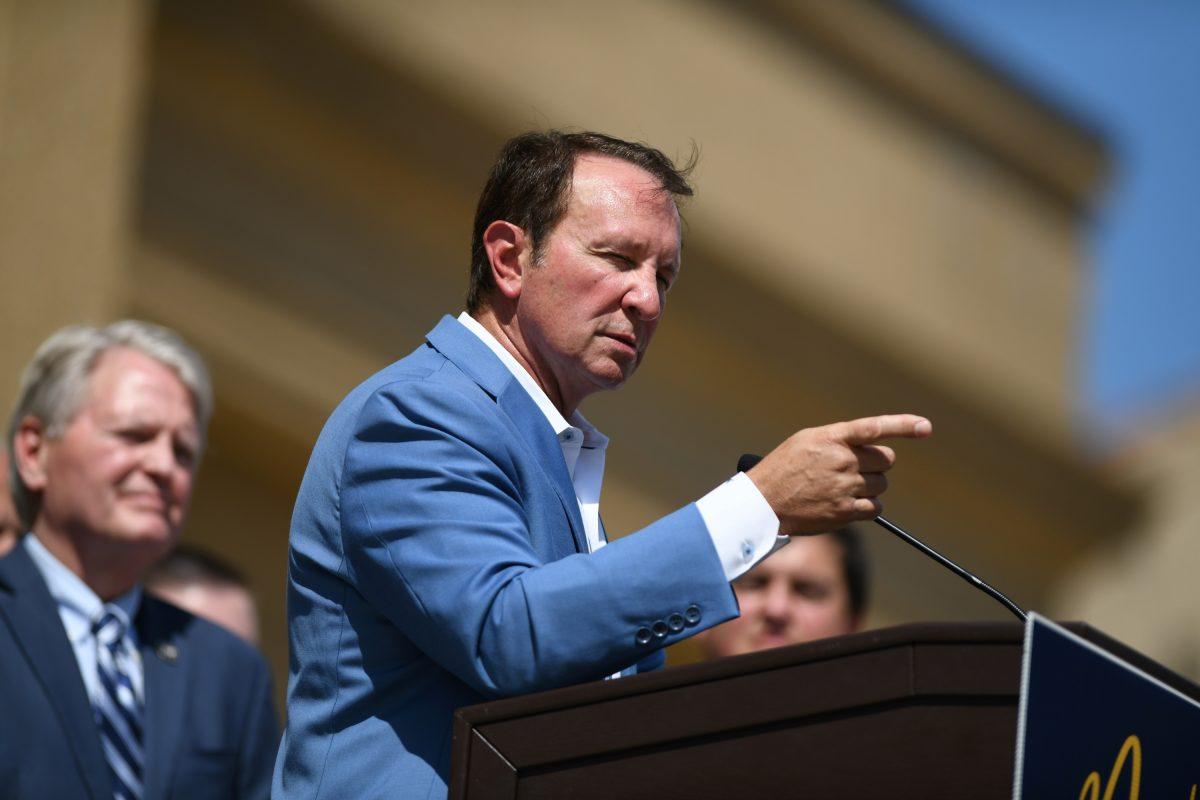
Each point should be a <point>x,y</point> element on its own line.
<point>167,652</point>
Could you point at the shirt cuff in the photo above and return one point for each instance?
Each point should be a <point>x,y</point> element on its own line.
<point>743,527</point>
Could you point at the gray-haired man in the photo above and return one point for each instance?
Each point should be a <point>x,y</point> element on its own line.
<point>108,692</point>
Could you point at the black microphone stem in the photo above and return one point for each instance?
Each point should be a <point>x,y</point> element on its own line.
<point>749,460</point>
<point>955,568</point>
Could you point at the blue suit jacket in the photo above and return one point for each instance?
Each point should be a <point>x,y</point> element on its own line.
<point>438,559</point>
<point>210,729</point>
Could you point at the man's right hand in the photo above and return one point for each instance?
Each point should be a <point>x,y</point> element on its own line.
<point>822,478</point>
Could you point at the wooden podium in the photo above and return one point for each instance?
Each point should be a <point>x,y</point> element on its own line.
<point>917,711</point>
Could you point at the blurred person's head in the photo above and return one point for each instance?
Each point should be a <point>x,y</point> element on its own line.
<point>105,440</point>
<point>208,587</point>
<point>813,588</point>
<point>10,524</point>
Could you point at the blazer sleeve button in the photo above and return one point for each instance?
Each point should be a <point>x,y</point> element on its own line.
<point>675,623</point>
<point>643,636</point>
<point>691,614</point>
<point>660,629</point>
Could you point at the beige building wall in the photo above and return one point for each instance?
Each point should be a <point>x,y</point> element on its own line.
<point>1142,588</point>
<point>881,225</point>
<point>71,75</point>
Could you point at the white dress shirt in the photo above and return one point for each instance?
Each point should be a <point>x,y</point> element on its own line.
<point>79,607</point>
<point>743,527</point>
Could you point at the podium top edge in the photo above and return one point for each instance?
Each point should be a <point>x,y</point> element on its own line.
<point>910,634</point>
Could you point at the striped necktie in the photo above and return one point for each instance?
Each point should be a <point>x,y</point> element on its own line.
<point>117,708</point>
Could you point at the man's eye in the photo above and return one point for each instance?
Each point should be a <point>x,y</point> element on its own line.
<point>810,590</point>
<point>185,455</point>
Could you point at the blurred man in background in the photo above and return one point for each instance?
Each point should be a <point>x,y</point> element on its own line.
<point>813,588</point>
<point>207,586</point>
<point>106,691</point>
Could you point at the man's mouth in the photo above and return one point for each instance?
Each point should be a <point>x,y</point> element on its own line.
<point>147,501</point>
<point>627,339</point>
<point>773,640</point>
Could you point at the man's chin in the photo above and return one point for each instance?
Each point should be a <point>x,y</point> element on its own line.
<point>147,528</point>
<point>624,367</point>
<point>610,376</point>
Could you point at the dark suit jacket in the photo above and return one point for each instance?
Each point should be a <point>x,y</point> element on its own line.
<point>210,729</point>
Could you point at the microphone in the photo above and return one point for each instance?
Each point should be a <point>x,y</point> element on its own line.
<point>749,460</point>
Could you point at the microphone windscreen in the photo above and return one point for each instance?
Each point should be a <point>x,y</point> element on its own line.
<point>747,461</point>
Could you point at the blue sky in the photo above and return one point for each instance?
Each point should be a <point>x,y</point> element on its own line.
<point>1132,70</point>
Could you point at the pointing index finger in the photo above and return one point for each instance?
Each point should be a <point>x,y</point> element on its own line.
<point>871,429</point>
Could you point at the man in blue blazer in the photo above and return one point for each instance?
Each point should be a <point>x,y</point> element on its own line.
<point>106,692</point>
<point>446,546</point>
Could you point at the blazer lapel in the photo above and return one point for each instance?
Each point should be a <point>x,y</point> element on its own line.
<point>474,358</point>
<point>538,434</point>
<point>26,604</point>
<point>165,665</point>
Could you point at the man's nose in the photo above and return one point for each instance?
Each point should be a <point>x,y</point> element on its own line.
<point>643,298</point>
<point>158,455</point>
<point>777,600</point>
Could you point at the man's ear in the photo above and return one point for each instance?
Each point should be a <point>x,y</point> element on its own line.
<point>29,453</point>
<point>509,252</point>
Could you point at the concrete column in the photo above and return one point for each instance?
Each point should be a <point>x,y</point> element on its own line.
<point>71,77</point>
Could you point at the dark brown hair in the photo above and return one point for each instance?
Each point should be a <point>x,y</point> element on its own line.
<point>189,566</point>
<point>855,568</point>
<point>530,185</point>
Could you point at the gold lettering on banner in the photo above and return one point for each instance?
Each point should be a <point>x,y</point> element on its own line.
<point>1132,750</point>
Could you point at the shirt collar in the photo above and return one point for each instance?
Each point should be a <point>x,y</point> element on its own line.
<point>591,437</point>
<point>78,605</point>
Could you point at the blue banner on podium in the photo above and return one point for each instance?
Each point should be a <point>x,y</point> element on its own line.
<point>1094,728</point>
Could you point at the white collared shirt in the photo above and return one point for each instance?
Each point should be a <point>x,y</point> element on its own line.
<point>78,608</point>
<point>742,525</point>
